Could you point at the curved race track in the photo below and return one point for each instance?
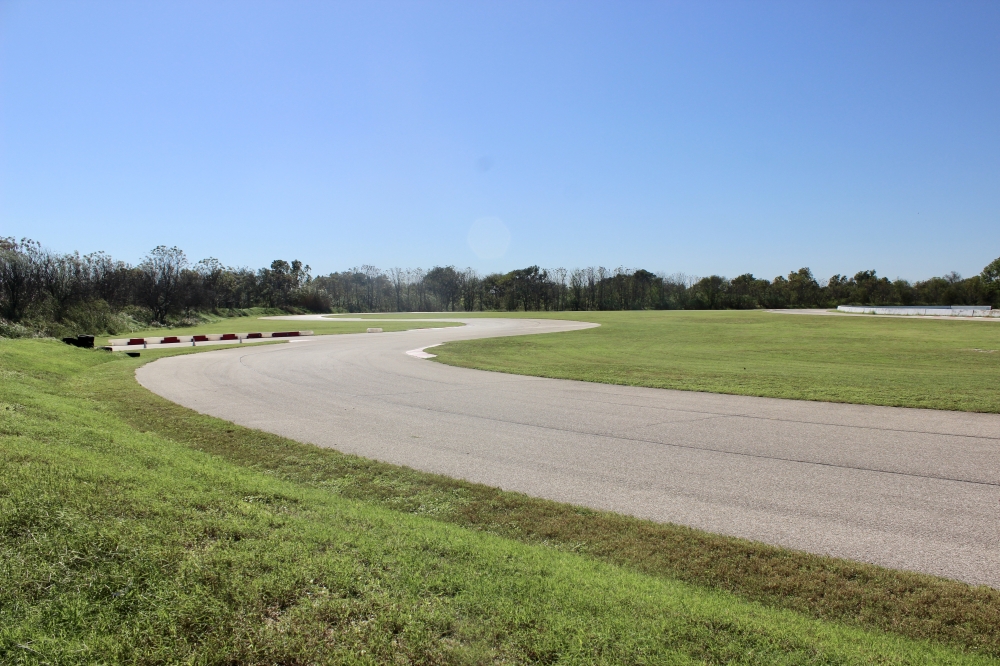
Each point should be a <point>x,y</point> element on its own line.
<point>904,488</point>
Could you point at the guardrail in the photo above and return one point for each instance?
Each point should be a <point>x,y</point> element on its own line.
<point>207,337</point>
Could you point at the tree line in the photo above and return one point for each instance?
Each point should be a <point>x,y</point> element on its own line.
<point>44,291</point>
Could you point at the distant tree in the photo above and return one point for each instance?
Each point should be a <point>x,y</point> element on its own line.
<point>281,279</point>
<point>932,291</point>
<point>676,291</point>
<point>19,277</point>
<point>40,286</point>
<point>560,283</point>
<point>905,292</point>
<point>493,291</point>
<point>312,298</point>
<point>525,289</point>
<point>109,280</point>
<point>629,289</point>
<point>161,280</point>
<point>61,279</point>
<point>372,278</point>
<point>779,294</point>
<point>470,285</point>
<point>398,278</point>
<point>991,274</point>
<point>803,289</point>
<point>838,289</point>
<point>869,288</point>
<point>206,282</point>
<point>443,282</point>
<point>709,291</point>
<point>746,291</point>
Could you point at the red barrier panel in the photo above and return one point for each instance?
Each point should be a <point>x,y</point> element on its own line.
<point>137,341</point>
<point>285,334</point>
<point>169,339</point>
<point>254,335</point>
<point>230,336</point>
<point>200,338</point>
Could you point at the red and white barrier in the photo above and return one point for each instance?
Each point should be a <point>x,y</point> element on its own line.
<point>213,338</point>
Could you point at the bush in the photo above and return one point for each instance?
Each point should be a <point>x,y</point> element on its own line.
<point>316,300</point>
<point>9,329</point>
<point>94,318</point>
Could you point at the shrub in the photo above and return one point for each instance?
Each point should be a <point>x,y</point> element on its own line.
<point>9,329</point>
<point>310,298</point>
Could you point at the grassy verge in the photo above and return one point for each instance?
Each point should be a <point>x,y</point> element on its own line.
<point>132,529</point>
<point>255,324</point>
<point>864,360</point>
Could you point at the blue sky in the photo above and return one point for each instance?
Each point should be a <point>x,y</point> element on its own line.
<point>699,137</point>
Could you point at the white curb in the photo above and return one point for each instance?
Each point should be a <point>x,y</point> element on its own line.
<point>420,353</point>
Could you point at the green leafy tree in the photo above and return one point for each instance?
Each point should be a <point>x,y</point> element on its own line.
<point>991,280</point>
<point>803,289</point>
<point>709,291</point>
<point>445,283</point>
<point>991,274</point>
<point>282,279</point>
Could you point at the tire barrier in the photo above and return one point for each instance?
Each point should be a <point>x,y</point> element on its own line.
<point>193,339</point>
<point>85,341</point>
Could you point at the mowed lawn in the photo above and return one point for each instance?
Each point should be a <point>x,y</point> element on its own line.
<point>260,325</point>
<point>135,531</point>
<point>866,360</point>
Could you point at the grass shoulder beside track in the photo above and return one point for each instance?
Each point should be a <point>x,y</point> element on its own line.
<point>863,360</point>
<point>133,529</point>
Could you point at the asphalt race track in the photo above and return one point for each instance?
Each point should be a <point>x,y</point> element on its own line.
<point>903,488</point>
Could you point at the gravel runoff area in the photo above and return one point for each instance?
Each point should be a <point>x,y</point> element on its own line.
<point>902,488</point>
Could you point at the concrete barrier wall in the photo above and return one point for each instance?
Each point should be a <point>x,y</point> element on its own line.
<point>938,311</point>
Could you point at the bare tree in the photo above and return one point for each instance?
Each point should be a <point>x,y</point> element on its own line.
<point>19,278</point>
<point>560,275</point>
<point>61,279</point>
<point>107,279</point>
<point>398,277</point>
<point>161,271</point>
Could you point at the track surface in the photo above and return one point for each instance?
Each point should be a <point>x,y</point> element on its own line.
<point>903,488</point>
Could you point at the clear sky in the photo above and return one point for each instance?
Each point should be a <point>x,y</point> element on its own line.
<point>696,137</point>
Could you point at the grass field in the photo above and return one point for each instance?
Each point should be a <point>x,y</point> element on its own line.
<point>134,530</point>
<point>256,324</point>
<point>865,360</point>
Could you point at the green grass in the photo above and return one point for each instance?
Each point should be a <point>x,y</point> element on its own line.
<point>255,324</point>
<point>134,530</point>
<point>865,360</point>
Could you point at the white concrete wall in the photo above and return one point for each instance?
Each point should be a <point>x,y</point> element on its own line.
<point>941,311</point>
